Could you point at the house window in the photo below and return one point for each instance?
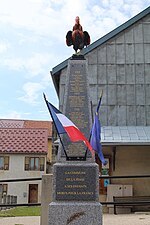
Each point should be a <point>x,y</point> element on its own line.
<point>3,189</point>
<point>42,160</point>
<point>4,162</point>
<point>34,163</point>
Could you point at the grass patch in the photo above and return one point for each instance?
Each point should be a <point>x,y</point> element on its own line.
<point>21,211</point>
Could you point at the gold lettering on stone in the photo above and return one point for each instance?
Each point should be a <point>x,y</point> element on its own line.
<point>76,88</point>
<point>79,119</point>
<point>75,186</point>
<point>75,172</point>
<point>74,179</point>
<point>77,101</point>
<point>74,193</point>
<point>76,148</point>
<point>77,72</point>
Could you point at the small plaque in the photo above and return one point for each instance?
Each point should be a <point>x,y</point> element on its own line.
<point>74,183</point>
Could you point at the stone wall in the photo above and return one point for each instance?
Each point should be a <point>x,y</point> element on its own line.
<point>120,67</point>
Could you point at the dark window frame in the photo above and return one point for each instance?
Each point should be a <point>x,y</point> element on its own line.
<point>5,165</point>
<point>4,189</point>
<point>38,163</point>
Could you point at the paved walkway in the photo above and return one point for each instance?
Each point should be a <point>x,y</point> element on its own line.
<point>28,220</point>
<point>108,219</point>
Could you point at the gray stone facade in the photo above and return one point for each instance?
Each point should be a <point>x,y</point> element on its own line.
<point>121,68</point>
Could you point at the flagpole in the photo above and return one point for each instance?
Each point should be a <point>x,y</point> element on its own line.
<point>96,134</point>
<point>92,122</point>
<point>56,127</point>
<point>100,98</point>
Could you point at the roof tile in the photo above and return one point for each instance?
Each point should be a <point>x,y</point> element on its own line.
<point>23,140</point>
<point>12,123</point>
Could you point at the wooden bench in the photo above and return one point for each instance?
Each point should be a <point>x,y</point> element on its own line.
<point>130,201</point>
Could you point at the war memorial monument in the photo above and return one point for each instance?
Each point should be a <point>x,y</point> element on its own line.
<point>76,175</point>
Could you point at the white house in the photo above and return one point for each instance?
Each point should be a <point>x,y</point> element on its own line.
<point>23,154</point>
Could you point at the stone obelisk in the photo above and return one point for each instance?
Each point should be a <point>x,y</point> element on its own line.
<point>76,178</point>
<point>77,106</point>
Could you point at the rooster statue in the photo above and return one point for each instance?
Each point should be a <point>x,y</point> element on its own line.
<point>78,38</point>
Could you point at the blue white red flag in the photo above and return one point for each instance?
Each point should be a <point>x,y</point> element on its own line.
<point>64,125</point>
<point>95,140</point>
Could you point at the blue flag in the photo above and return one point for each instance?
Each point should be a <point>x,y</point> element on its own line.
<point>95,140</point>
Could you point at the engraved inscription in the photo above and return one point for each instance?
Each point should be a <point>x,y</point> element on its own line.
<point>79,119</point>
<point>74,183</point>
<point>77,101</point>
<point>77,148</point>
<point>77,106</point>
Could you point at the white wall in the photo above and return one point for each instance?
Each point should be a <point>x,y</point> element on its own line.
<point>16,171</point>
<point>131,160</point>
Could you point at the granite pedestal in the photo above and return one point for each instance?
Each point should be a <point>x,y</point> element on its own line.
<point>74,213</point>
<point>76,195</point>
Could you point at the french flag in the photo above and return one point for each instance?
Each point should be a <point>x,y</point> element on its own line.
<point>64,125</point>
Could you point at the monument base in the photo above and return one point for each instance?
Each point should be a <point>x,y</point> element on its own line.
<point>75,213</point>
<point>75,195</point>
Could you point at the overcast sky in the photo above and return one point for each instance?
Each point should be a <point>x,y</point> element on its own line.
<point>32,42</point>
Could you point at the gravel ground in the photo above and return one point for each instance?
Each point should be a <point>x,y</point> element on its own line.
<point>108,219</point>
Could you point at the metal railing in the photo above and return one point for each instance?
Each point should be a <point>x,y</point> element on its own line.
<point>129,203</point>
<point>100,177</point>
<point>12,204</point>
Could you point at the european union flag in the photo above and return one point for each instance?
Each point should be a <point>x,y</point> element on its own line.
<point>95,140</point>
